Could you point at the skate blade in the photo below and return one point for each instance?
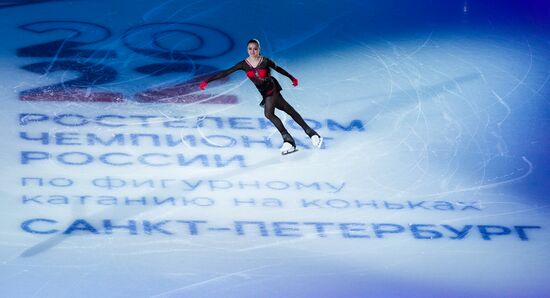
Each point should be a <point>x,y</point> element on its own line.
<point>289,152</point>
<point>320,142</point>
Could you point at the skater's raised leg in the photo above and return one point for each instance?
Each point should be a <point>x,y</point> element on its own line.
<point>283,105</point>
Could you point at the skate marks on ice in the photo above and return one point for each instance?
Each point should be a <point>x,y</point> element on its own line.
<point>421,92</point>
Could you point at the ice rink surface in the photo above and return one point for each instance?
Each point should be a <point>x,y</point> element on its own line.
<point>122,179</point>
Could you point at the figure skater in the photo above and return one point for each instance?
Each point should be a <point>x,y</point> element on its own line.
<point>257,69</point>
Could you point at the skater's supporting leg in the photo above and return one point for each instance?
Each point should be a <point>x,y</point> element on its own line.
<point>269,112</point>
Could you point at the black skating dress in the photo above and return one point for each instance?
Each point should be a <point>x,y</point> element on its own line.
<point>259,75</point>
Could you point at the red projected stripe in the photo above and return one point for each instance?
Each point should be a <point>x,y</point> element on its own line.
<point>76,95</point>
<point>182,94</point>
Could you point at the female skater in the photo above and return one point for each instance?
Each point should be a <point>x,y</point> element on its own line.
<point>257,69</point>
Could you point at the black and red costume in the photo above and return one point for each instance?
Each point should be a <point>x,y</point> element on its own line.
<point>259,75</point>
<point>270,89</point>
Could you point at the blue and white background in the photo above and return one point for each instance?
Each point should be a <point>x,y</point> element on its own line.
<point>121,179</point>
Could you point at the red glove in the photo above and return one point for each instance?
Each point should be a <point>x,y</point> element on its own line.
<point>294,82</point>
<point>203,85</point>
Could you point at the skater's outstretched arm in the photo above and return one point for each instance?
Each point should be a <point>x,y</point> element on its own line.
<point>281,70</point>
<point>222,74</point>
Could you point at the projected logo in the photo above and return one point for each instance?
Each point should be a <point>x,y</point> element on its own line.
<point>177,45</point>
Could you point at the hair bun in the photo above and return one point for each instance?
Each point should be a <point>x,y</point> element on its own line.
<point>255,41</point>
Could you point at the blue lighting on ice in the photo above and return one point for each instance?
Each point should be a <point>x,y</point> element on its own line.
<point>121,178</point>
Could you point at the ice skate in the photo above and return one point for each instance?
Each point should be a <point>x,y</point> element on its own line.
<point>316,141</point>
<point>288,148</point>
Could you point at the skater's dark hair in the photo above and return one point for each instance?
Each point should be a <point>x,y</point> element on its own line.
<point>254,40</point>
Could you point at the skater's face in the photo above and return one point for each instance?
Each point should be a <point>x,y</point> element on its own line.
<point>253,49</point>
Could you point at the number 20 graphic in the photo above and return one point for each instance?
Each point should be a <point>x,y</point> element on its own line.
<point>156,40</point>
